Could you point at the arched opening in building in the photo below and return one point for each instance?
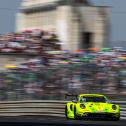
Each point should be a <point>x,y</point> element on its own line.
<point>86,40</point>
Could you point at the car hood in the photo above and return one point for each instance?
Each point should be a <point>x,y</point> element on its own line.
<point>98,106</point>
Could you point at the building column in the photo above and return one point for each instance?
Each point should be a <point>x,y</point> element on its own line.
<point>99,34</point>
<point>20,22</point>
<point>67,28</point>
<point>63,17</point>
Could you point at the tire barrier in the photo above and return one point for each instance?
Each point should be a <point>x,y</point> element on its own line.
<point>43,108</point>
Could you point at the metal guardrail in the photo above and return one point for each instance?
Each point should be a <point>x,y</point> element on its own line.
<point>42,108</point>
<point>37,107</point>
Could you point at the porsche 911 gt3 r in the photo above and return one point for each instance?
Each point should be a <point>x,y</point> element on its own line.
<point>92,106</point>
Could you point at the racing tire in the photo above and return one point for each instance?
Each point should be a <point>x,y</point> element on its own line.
<point>116,119</point>
<point>76,117</point>
<point>66,113</point>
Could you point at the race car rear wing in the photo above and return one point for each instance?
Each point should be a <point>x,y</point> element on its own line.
<point>71,96</point>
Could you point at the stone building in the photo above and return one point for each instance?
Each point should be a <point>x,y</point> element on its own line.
<point>77,23</point>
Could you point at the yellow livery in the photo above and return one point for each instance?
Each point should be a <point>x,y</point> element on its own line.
<point>92,106</point>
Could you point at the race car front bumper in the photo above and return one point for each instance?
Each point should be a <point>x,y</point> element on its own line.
<point>100,115</point>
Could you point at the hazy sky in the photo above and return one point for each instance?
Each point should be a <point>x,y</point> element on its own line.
<point>118,19</point>
<point>8,9</point>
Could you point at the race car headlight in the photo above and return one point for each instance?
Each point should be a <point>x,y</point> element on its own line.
<point>114,107</point>
<point>82,106</point>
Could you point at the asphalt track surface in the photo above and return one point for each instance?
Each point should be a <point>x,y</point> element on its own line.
<point>55,121</point>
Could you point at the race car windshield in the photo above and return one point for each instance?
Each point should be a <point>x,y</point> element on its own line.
<point>92,99</point>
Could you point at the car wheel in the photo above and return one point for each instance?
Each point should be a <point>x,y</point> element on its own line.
<point>116,119</point>
<point>66,113</point>
<point>76,117</point>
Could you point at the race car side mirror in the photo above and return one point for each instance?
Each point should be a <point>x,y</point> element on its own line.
<point>74,101</point>
<point>112,102</point>
<point>109,101</point>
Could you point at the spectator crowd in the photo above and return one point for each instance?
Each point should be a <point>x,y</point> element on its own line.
<point>29,42</point>
<point>55,72</point>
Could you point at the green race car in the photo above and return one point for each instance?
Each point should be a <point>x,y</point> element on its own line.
<point>92,106</point>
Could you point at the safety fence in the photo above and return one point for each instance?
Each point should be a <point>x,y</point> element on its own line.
<point>42,108</point>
